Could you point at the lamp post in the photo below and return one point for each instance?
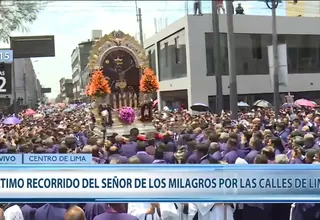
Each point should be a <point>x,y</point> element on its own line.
<point>273,6</point>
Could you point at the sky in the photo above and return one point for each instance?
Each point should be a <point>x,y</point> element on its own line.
<point>71,22</point>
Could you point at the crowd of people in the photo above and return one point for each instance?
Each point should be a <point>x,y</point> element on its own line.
<point>257,137</point>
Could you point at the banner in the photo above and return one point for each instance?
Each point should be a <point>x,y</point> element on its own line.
<point>160,183</point>
<point>45,158</point>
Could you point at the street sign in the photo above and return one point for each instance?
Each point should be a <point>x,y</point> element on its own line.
<point>5,78</point>
<point>6,56</point>
<point>32,46</point>
<point>45,90</point>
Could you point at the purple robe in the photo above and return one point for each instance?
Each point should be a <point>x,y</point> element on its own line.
<point>271,162</point>
<point>49,151</point>
<point>115,216</point>
<point>50,212</point>
<point>151,150</point>
<point>205,159</point>
<point>129,149</point>
<point>244,152</point>
<point>144,157</point>
<point>55,148</point>
<point>122,159</point>
<point>296,161</point>
<point>99,160</point>
<point>171,146</point>
<point>200,137</point>
<point>169,157</point>
<point>217,155</point>
<point>251,211</point>
<point>223,147</point>
<point>251,156</point>
<point>92,210</point>
<point>193,158</point>
<point>277,151</point>
<point>28,212</point>
<point>310,211</point>
<point>231,157</point>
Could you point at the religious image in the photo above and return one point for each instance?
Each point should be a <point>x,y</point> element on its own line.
<point>121,69</point>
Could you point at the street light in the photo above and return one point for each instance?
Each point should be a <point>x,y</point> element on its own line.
<point>276,100</point>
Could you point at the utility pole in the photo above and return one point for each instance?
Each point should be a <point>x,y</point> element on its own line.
<point>186,7</point>
<point>15,107</point>
<point>139,19</point>
<point>275,59</point>
<point>276,93</point>
<point>217,57</point>
<point>232,63</point>
<point>25,87</point>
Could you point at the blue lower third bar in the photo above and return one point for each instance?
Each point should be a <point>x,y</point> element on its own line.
<point>10,158</point>
<point>57,158</point>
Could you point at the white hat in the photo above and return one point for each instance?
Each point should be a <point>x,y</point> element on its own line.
<point>239,160</point>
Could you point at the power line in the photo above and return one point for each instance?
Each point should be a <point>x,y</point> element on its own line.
<point>164,10</point>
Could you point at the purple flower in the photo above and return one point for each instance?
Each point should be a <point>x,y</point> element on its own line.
<point>127,115</point>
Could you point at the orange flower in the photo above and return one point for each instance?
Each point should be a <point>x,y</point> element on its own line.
<point>149,82</point>
<point>98,85</point>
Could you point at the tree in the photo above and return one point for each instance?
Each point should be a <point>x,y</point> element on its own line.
<point>99,85</point>
<point>149,82</point>
<point>14,15</point>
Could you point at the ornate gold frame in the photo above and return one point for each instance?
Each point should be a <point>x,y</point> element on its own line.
<point>114,41</point>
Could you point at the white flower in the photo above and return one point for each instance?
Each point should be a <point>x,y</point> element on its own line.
<point>104,113</point>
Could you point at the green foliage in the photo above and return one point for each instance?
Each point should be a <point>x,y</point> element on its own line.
<point>15,15</point>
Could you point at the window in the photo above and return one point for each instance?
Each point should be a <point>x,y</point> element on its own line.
<point>256,46</point>
<point>166,53</point>
<point>252,53</point>
<point>150,59</point>
<point>177,49</point>
<point>303,52</point>
<point>210,61</point>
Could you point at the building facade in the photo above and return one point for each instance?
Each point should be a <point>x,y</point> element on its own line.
<point>79,61</point>
<point>182,56</point>
<point>303,8</point>
<point>75,65</point>
<point>66,90</point>
<point>26,84</point>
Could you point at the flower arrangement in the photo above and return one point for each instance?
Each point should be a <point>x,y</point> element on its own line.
<point>149,82</point>
<point>127,115</point>
<point>99,85</point>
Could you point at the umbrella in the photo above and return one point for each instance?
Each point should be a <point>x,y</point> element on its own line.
<point>73,106</point>
<point>48,111</point>
<point>60,105</point>
<point>262,104</point>
<point>290,105</point>
<point>38,116</point>
<point>306,103</point>
<point>67,110</point>
<point>199,107</point>
<point>155,103</point>
<point>30,112</point>
<point>11,121</point>
<point>242,104</point>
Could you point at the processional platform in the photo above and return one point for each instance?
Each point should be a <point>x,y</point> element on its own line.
<point>124,129</point>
